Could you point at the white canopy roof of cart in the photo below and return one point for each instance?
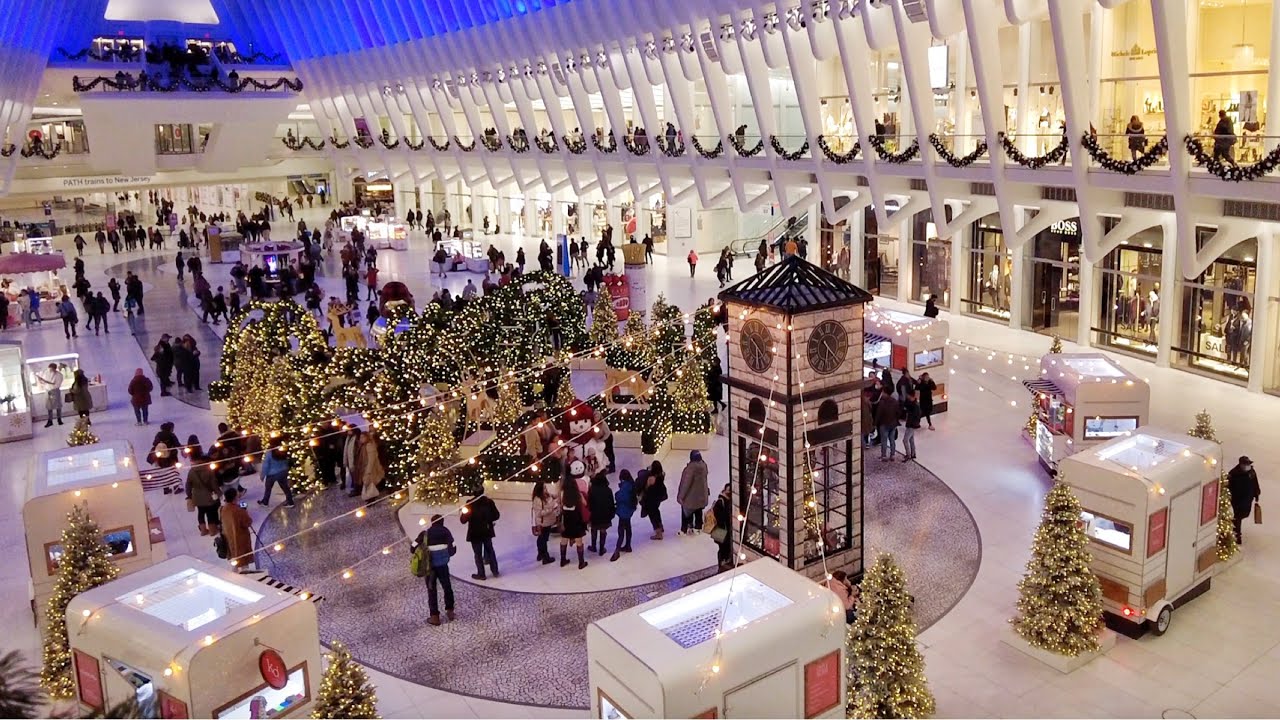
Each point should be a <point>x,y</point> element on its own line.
<point>1157,457</point>
<point>82,467</point>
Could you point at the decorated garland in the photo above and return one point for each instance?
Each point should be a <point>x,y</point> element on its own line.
<point>546,144</point>
<point>142,81</point>
<point>671,149</point>
<point>362,141</point>
<point>782,151</point>
<point>7,149</point>
<point>27,152</point>
<point>1034,162</point>
<point>1232,173</point>
<point>465,148</point>
<point>333,140</point>
<point>415,146</point>
<point>438,147</point>
<point>385,139</point>
<point>951,158</point>
<point>577,148</point>
<point>877,144</point>
<point>708,154</point>
<point>736,140</point>
<point>835,157</point>
<point>609,149</point>
<point>1128,167</point>
<point>234,58</point>
<point>635,148</point>
<point>492,143</point>
<point>518,143</point>
<point>294,143</point>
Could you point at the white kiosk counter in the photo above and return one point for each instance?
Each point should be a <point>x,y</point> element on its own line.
<point>1150,507</point>
<point>103,478</point>
<point>896,340</point>
<point>193,640</point>
<point>1083,399</point>
<point>781,652</point>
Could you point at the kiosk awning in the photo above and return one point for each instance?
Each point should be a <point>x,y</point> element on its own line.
<point>872,338</point>
<point>1043,387</point>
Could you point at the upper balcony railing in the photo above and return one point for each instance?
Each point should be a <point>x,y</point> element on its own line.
<point>137,52</point>
<point>173,81</point>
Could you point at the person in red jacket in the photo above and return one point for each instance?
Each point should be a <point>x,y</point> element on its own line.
<point>140,388</point>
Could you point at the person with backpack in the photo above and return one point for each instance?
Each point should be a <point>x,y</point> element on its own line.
<point>603,508</point>
<point>624,505</point>
<point>653,494</point>
<point>430,553</point>
<point>479,515</point>
<point>911,414</point>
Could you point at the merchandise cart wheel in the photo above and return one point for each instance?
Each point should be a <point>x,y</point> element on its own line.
<point>1163,620</point>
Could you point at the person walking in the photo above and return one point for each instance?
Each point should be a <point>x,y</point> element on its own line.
<point>50,382</point>
<point>931,307</point>
<point>140,388</point>
<point>693,494</point>
<point>1242,481</point>
<point>236,524</point>
<point>369,469</point>
<point>275,471</point>
<point>437,544</point>
<point>479,515</point>
<point>624,505</point>
<point>545,515</point>
<point>1224,139</point>
<point>888,415</point>
<point>574,525</point>
<point>693,261</point>
<point>925,386</point>
<point>203,493</point>
<point>654,493</point>
<point>81,400</point>
<point>722,534</point>
<point>911,414</point>
<point>1137,137</point>
<point>67,312</point>
<point>113,286</point>
<point>602,505</point>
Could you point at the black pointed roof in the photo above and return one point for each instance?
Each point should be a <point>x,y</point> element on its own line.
<point>796,285</point>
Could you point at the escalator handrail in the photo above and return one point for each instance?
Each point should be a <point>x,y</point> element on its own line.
<point>777,233</point>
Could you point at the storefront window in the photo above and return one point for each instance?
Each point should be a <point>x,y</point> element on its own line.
<point>989,271</point>
<point>1055,280</point>
<point>828,524</point>
<point>1230,71</point>
<point>1130,79</point>
<point>1217,311</point>
<point>930,261</point>
<point>1129,296</point>
<point>880,254</point>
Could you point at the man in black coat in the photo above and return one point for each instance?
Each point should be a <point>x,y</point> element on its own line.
<point>1243,483</point>
<point>162,356</point>
<point>479,516</point>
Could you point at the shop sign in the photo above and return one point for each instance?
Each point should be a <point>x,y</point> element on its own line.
<point>105,181</point>
<point>1136,52</point>
<point>88,679</point>
<point>273,669</point>
<point>1065,227</point>
<point>822,684</point>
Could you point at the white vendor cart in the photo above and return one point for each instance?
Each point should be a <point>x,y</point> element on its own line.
<point>896,340</point>
<point>67,365</point>
<point>1083,399</point>
<point>15,396</point>
<point>781,652</point>
<point>104,479</point>
<point>190,639</point>
<point>1150,508</point>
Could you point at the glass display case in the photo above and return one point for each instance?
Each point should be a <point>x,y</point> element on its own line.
<point>15,396</point>
<point>67,365</point>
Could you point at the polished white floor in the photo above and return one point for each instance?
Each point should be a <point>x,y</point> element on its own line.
<point>1220,658</point>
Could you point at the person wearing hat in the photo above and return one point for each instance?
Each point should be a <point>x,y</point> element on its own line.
<point>693,494</point>
<point>163,474</point>
<point>1245,491</point>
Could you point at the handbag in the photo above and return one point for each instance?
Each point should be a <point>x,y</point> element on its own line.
<point>718,534</point>
<point>220,546</point>
<point>68,398</point>
<point>1257,513</point>
<point>191,505</point>
<point>369,491</point>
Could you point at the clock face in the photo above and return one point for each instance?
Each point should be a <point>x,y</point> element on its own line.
<point>828,346</point>
<point>757,345</point>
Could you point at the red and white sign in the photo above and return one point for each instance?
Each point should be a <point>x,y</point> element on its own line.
<point>88,680</point>
<point>1208,503</point>
<point>822,684</point>
<point>620,290</point>
<point>274,672</point>
<point>171,707</point>
<point>1157,531</point>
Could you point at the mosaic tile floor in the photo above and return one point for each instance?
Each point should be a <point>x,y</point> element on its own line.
<point>530,648</point>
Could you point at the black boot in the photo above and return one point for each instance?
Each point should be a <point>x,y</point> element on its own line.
<point>564,555</point>
<point>581,560</point>
<point>604,540</point>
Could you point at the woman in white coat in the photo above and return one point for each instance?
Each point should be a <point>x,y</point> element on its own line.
<point>545,516</point>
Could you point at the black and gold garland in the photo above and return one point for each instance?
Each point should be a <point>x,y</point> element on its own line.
<point>1128,167</point>
<point>235,57</point>
<point>465,148</point>
<point>415,146</point>
<point>782,151</point>
<point>387,142</point>
<point>333,140</point>
<point>577,147</point>
<point>144,82</point>
<point>31,151</point>
<point>492,143</point>
<point>546,143</point>
<point>294,143</point>
<point>1038,161</point>
<point>635,148</point>
<point>7,149</point>
<point>519,143</point>
<point>609,149</point>
<point>711,154</point>
<point>951,158</point>
<point>878,144</point>
<point>671,149</point>
<point>363,141</point>
<point>738,145</point>
<point>835,157</point>
<point>1232,173</point>
<point>438,147</point>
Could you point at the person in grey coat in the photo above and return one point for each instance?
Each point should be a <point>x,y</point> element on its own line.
<point>693,494</point>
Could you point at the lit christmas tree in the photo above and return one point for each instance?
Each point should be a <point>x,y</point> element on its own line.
<point>508,407</point>
<point>668,336</point>
<point>635,351</point>
<point>604,320</point>
<point>564,391</point>
<point>704,335</point>
<point>1059,599</point>
<point>1056,345</point>
<point>437,451</point>
<point>81,434</point>
<point>690,407</point>
<point>345,690</point>
<point>1227,545</point>
<point>886,669</point>
<point>1032,420</point>
<point>85,564</point>
<point>1204,427</point>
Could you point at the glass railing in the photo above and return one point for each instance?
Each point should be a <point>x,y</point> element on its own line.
<point>776,234</point>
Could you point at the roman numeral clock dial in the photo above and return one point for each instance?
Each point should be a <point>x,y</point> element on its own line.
<point>828,347</point>
<point>756,344</point>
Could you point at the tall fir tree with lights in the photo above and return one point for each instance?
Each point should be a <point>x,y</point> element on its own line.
<point>704,335</point>
<point>437,452</point>
<point>886,670</point>
<point>345,689</point>
<point>690,407</point>
<point>634,351</point>
<point>507,410</point>
<point>604,320</point>
<point>1226,535</point>
<point>565,396</point>
<point>1059,605</point>
<point>669,341</point>
<point>81,434</point>
<point>85,564</point>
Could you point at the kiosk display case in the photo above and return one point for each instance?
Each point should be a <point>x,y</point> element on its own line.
<point>1150,508</point>
<point>780,651</point>
<point>271,256</point>
<point>1081,400</point>
<point>381,232</point>
<point>15,396</point>
<point>190,639</point>
<point>104,478</point>
<point>67,365</point>
<point>896,340</point>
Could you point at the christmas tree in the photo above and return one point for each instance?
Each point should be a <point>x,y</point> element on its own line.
<point>1056,345</point>
<point>1059,599</point>
<point>690,406</point>
<point>81,434</point>
<point>508,407</point>
<point>345,690</point>
<point>437,450</point>
<point>1204,427</point>
<point>604,320</point>
<point>1032,420</point>
<point>564,391</point>
<point>1227,545</point>
<point>704,334</point>
<point>85,564</point>
<point>635,351</point>
<point>886,669</point>
<point>668,336</point>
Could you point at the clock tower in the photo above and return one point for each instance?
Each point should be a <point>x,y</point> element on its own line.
<point>795,396</point>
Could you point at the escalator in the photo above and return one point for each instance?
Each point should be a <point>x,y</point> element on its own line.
<point>776,236</point>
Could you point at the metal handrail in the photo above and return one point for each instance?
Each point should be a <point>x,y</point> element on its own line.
<point>776,234</point>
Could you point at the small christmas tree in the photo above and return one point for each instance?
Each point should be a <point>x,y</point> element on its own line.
<point>507,409</point>
<point>1032,420</point>
<point>1059,598</point>
<point>85,564</point>
<point>1056,345</point>
<point>1204,427</point>
<point>437,449</point>
<point>635,350</point>
<point>604,320</point>
<point>688,390</point>
<point>1227,545</point>
<point>886,669</point>
<point>81,434</point>
<point>704,334</point>
<point>668,336</point>
<point>564,391</point>
<point>345,690</point>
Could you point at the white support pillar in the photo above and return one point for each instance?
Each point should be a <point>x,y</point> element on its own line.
<point>1088,301</point>
<point>1025,124</point>
<point>1260,351</point>
<point>857,251</point>
<point>905,269</point>
<point>963,116</point>
<point>960,242</point>
<point>1169,307</point>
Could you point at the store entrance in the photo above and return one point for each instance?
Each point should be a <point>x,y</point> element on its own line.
<point>1055,308</point>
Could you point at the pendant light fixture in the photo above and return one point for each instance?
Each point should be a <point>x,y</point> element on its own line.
<point>1242,51</point>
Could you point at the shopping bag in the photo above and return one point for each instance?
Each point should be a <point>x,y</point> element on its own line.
<point>1257,513</point>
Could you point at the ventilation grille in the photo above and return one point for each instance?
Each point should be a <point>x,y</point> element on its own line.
<point>916,10</point>
<point>1251,210</point>
<point>709,46</point>
<point>863,182</point>
<point>1063,194</point>
<point>1150,201</point>
<point>982,188</point>
<point>919,185</point>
